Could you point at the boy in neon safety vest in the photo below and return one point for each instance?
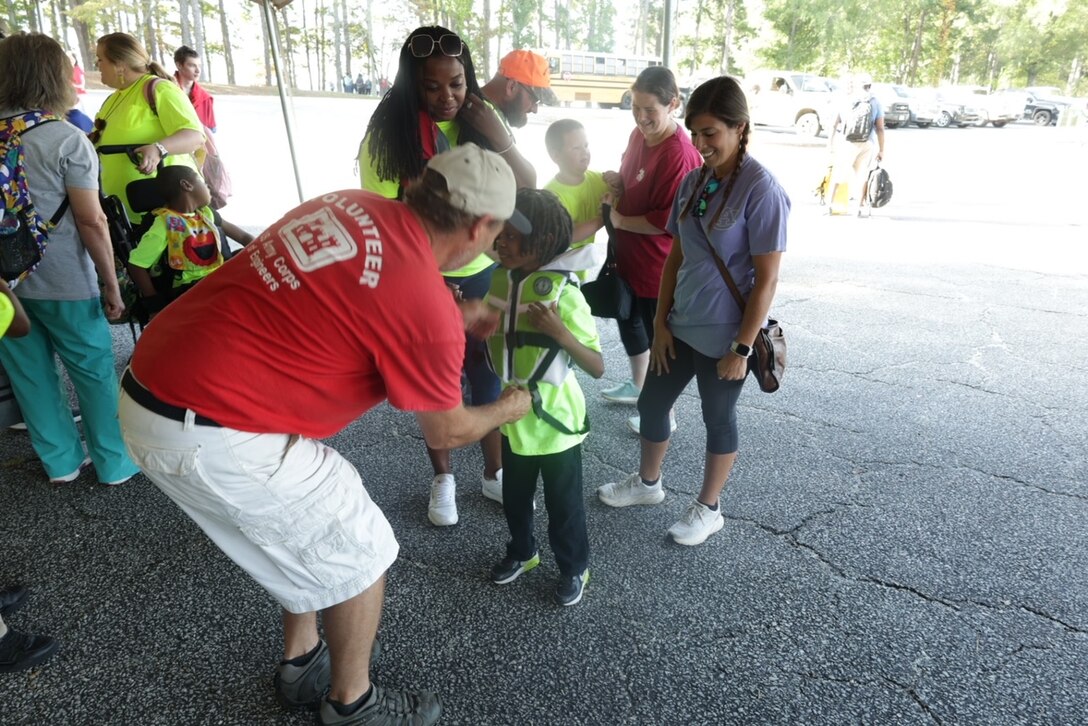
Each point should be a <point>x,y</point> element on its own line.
<point>540,327</point>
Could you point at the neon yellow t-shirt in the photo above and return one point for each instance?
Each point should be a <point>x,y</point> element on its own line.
<point>531,435</point>
<point>390,188</point>
<point>7,314</point>
<point>129,121</point>
<point>583,201</point>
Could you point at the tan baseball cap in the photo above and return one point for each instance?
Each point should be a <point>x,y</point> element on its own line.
<point>480,182</point>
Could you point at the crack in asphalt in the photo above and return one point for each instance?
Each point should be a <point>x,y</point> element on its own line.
<point>790,536</point>
<point>909,690</point>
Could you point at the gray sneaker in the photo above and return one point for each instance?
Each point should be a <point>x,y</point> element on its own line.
<point>305,686</point>
<point>387,707</point>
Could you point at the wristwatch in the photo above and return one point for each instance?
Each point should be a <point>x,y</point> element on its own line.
<point>741,349</point>
<point>163,153</point>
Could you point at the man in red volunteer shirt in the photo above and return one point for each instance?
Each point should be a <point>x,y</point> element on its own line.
<point>338,306</point>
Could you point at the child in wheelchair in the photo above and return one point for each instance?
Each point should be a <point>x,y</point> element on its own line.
<point>185,241</point>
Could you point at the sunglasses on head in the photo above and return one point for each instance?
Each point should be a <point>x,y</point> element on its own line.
<point>701,205</point>
<point>422,46</point>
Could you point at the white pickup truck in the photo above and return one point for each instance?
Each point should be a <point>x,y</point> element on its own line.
<point>790,98</point>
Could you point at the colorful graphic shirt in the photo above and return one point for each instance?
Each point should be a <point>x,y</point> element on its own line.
<point>190,240</point>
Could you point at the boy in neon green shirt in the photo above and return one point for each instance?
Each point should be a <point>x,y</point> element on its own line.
<point>580,190</point>
<point>540,327</point>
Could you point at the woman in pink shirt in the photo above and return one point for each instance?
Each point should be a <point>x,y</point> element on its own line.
<point>659,154</point>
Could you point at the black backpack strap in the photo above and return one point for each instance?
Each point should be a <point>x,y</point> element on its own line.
<point>540,340</point>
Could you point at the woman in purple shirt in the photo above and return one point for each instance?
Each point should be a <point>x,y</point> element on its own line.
<point>735,206</point>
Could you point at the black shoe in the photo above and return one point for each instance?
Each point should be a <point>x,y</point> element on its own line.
<point>387,707</point>
<point>12,598</point>
<point>568,590</point>
<point>19,651</point>
<point>508,569</point>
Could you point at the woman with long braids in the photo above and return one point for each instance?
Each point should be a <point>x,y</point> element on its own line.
<point>435,103</point>
<point>166,131</point>
<point>734,207</point>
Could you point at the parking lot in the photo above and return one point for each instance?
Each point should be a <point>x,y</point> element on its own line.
<point>905,536</point>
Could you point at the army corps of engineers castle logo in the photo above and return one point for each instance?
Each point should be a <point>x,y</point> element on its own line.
<point>317,240</point>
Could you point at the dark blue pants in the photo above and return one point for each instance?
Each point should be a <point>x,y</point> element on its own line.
<point>563,498</point>
<point>483,384</point>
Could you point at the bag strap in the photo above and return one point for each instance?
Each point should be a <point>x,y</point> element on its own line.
<point>727,277</point>
<point>33,120</point>
<point>606,218</point>
<point>149,93</point>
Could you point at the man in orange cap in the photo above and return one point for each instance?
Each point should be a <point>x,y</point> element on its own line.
<point>515,89</point>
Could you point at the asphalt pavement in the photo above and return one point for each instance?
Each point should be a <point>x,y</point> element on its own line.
<point>905,537</point>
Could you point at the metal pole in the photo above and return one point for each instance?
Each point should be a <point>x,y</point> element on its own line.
<point>288,110</point>
<point>666,36</point>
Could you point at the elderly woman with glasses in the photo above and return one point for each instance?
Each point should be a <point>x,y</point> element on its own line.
<point>61,296</point>
<point>728,222</point>
<point>435,103</point>
<point>156,123</point>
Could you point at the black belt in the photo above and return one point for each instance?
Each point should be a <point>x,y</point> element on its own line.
<point>145,398</point>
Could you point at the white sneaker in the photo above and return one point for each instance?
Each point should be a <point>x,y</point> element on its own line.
<point>626,392</point>
<point>631,491</point>
<point>634,424</point>
<point>492,488</point>
<point>69,478</point>
<point>697,523</point>
<point>442,509</point>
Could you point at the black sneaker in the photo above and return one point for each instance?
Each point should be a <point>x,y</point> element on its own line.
<point>11,599</point>
<point>387,707</point>
<point>304,686</point>
<point>509,569</point>
<point>568,590</point>
<point>19,651</point>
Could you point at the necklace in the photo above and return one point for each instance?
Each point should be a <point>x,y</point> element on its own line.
<point>118,99</point>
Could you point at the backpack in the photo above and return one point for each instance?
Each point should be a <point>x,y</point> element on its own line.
<point>859,125</point>
<point>24,232</point>
<point>879,187</point>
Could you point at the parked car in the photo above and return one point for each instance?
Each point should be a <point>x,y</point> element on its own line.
<point>790,98</point>
<point>954,111</point>
<point>993,108</point>
<point>896,103</point>
<point>1045,110</point>
<point>924,107</point>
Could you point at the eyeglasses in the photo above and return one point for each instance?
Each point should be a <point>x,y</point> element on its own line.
<point>422,46</point>
<point>700,206</point>
<point>99,127</point>
<point>531,91</point>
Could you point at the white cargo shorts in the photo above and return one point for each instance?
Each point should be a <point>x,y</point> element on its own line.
<point>288,510</point>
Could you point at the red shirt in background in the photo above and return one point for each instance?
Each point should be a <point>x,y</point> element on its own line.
<point>202,101</point>
<point>79,79</point>
<point>335,308</point>
<point>651,175</point>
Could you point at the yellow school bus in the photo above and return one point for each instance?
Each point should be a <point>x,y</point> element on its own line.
<point>601,78</point>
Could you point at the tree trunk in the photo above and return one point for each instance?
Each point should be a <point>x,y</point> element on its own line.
<point>912,67</point>
<point>338,52</point>
<point>149,26</point>
<point>83,37</point>
<point>267,43</point>
<point>727,38</point>
<point>347,36</point>
<point>319,23</point>
<point>186,27</point>
<point>198,37</point>
<point>227,55</point>
<point>306,48</point>
<point>371,57</point>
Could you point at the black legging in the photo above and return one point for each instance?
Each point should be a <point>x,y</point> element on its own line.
<point>719,399</point>
<point>637,332</point>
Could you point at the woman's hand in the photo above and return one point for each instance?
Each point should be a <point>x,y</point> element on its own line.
<point>662,350</point>
<point>114,306</point>
<point>732,367</point>
<point>477,114</point>
<point>149,157</point>
<point>614,182</point>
